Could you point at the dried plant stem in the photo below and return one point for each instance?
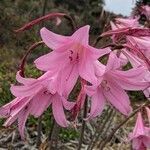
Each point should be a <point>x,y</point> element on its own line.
<point>99,131</point>
<point>53,136</point>
<point>72,22</point>
<point>45,18</point>
<point>83,124</point>
<point>39,128</point>
<point>106,128</point>
<point>23,61</point>
<point>108,139</point>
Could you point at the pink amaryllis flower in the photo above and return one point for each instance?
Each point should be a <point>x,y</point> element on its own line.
<point>137,62</point>
<point>137,52</point>
<point>133,59</point>
<point>127,22</point>
<point>33,97</point>
<point>72,54</point>
<point>121,26</point>
<point>145,10</point>
<point>142,42</point>
<point>141,135</point>
<point>112,85</point>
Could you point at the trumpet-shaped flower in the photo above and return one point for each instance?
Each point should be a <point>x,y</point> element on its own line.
<point>141,46</point>
<point>126,22</point>
<point>33,97</point>
<point>112,85</point>
<point>72,54</point>
<point>141,135</point>
<point>145,10</point>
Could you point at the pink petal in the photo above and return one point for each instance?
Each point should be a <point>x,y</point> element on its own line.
<point>147,93</point>
<point>68,78</point>
<point>148,113</point>
<point>135,73</point>
<point>113,62</point>
<point>15,110</point>
<point>118,98</point>
<point>128,22</point>
<point>91,90</point>
<point>5,110</point>
<point>58,111</point>
<point>24,91</point>
<point>97,53</point>
<point>134,60</point>
<point>51,61</point>
<point>81,35</point>
<point>113,26</point>
<point>67,105</point>
<point>24,81</point>
<point>136,144</point>
<point>99,68</point>
<point>128,84</point>
<point>52,40</point>
<point>40,103</point>
<point>116,31</point>
<point>10,120</point>
<point>97,104</point>
<point>123,59</point>
<point>139,127</point>
<point>146,141</point>
<point>87,69</point>
<point>21,122</point>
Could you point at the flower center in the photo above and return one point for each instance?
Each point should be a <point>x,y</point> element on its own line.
<point>75,53</point>
<point>47,92</point>
<point>105,85</point>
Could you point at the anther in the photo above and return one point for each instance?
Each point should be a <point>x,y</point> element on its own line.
<point>77,56</point>
<point>71,51</point>
<point>70,58</point>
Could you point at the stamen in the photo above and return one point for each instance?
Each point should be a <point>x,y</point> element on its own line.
<point>77,56</point>
<point>71,51</point>
<point>46,92</point>
<point>105,85</point>
<point>26,108</point>
<point>70,58</point>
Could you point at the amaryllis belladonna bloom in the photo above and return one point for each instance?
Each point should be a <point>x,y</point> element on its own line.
<point>145,10</point>
<point>126,22</point>
<point>33,97</point>
<point>136,62</point>
<point>140,136</point>
<point>71,54</point>
<point>142,44</point>
<point>112,85</point>
<point>121,26</point>
<point>124,27</point>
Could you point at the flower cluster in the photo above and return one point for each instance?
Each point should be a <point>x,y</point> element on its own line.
<point>73,60</point>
